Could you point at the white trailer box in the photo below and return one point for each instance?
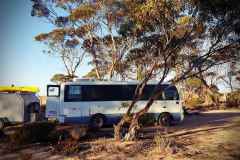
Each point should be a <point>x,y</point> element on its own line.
<point>18,107</point>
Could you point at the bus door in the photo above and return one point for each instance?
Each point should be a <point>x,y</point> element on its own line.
<point>53,102</point>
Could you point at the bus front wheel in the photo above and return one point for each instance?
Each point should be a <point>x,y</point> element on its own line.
<point>97,121</point>
<point>165,119</point>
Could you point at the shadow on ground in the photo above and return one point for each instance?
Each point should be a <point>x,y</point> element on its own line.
<point>205,121</point>
<point>194,123</point>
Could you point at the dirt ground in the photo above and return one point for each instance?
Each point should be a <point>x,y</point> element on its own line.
<point>211,135</point>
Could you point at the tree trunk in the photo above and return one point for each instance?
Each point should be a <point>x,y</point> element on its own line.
<point>127,118</point>
<point>118,129</point>
<point>134,125</point>
<point>133,129</point>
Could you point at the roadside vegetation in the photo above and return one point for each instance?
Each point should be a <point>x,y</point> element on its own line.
<point>200,138</point>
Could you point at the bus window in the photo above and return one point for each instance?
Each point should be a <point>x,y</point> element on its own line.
<point>73,93</point>
<point>171,94</point>
<point>102,93</point>
<point>128,92</point>
<point>53,90</point>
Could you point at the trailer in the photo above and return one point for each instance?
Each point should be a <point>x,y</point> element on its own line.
<point>18,105</point>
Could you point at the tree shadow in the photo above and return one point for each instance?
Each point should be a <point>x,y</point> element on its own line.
<point>194,123</point>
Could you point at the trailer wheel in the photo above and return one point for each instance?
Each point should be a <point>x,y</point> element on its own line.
<point>2,124</point>
<point>165,119</point>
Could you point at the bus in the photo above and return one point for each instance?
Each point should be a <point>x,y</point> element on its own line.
<point>99,103</point>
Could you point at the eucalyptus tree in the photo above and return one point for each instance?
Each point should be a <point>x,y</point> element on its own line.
<point>61,78</point>
<point>90,27</point>
<point>165,30</point>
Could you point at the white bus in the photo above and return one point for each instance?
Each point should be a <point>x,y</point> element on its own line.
<point>101,103</point>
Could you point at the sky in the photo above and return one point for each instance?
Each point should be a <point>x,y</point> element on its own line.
<point>22,61</point>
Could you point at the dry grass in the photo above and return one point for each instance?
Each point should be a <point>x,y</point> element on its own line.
<point>25,156</point>
<point>163,146</point>
<point>212,139</point>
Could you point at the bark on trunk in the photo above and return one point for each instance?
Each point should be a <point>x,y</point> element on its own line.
<point>134,125</point>
<point>133,129</point>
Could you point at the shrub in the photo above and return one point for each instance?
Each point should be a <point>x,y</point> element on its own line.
<point>32,132</point>
<point>163,144</point>
<point>58,135</point>
<point>194,102</point>
<point>68,147</point>
<point>233,99</point>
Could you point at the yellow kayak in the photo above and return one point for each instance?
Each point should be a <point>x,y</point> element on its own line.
<point>32,89</point>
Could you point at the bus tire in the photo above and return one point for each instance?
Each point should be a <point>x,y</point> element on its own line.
<point>97,121</point>
<point>165,119</point>
<point>2,124</point>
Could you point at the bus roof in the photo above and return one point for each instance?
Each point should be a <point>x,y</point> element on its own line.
<point>97,82</point>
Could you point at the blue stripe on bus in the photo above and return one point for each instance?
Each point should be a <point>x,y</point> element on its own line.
<point>77,120</point>
<point>110,118</point>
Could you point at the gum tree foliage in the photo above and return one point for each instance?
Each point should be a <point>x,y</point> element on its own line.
<point>88,26</point>
<point>60,78</point>
<point>157,37</point>
<point>59,41</point>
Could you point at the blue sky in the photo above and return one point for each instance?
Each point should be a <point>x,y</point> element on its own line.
<point>22,61</point>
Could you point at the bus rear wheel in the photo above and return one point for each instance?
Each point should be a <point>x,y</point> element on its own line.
<point>97,121</point>
<point>165,119</point>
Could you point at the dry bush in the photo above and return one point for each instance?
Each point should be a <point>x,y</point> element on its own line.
<point>77,132</point>
<point>68,147</point>
<point>32,132</point>
<point>194,102</point>
<point>233,99</point>
<point>163,144</point>
<point>104,145</point>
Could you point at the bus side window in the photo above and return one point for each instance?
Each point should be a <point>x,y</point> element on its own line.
<point>73,92</point>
